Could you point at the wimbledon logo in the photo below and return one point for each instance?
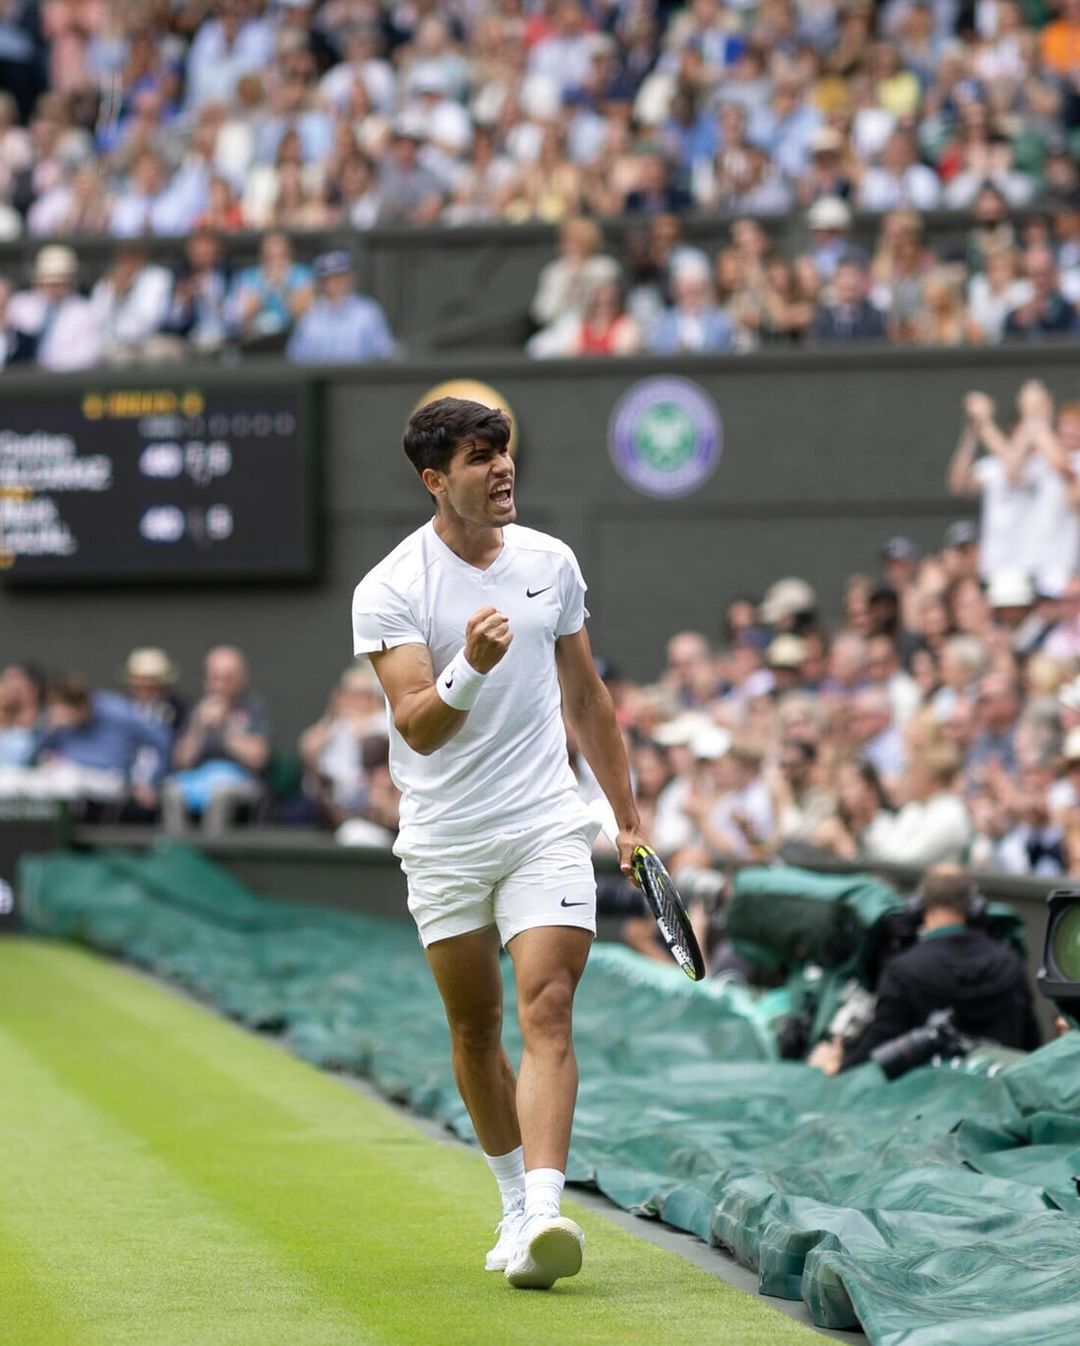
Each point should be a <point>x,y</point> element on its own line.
<point>665,437</point>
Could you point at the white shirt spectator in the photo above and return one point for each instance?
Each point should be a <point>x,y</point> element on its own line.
<point>130,318</point>
<point>923,832</point>
<point>376,76</point>
<point>70,337</point>
<point>214,64</point>
<point>1016,188</point>
<point>917,187</point>
<point>1054,528</point>
<point>1008,515</point>
<point>989,310</point>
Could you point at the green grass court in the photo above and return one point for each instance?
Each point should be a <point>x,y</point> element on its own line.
<point>169,1180</point>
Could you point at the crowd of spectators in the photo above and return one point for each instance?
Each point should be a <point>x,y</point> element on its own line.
<point>666,295</point>
<point>937,721</point>
<point>198,120</point>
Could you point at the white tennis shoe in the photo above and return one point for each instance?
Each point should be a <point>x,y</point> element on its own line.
<point>509,1231</point>
<point>550,1247</point>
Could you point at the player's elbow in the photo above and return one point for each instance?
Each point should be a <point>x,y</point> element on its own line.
<point>416,735</point>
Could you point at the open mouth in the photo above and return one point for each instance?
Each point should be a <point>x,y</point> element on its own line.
<point>502,494</point>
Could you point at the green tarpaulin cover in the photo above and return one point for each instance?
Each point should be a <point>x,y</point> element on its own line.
<point>940,1210</point>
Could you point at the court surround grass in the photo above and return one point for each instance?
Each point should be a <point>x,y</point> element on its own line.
<point>169,1180</point>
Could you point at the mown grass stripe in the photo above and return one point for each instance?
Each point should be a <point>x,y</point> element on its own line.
<point>375,1219</point>
<point>111,1247</point>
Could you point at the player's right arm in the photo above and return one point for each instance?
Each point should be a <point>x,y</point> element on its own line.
<point>421,715</point>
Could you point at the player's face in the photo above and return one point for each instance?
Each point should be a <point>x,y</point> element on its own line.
<point>480,484</point>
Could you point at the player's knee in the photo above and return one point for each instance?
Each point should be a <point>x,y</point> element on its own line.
<point>547,1012</point>
<point>479,1032</point>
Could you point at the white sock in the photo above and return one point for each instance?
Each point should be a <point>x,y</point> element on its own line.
<point>509,1171</point>
<point>543,1191</point>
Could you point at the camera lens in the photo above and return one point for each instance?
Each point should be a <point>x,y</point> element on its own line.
<point>1065,946</point>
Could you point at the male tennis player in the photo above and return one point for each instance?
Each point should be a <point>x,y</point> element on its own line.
<point>476,629</point>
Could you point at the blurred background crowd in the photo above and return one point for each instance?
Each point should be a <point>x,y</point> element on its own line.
<point>204,119</point>
<point>938,720</point>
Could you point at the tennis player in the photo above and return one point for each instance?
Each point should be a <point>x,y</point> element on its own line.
<point>476,629</point>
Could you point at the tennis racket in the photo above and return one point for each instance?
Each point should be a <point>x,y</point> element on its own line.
<point>667,906</point>
<point>663,898</point>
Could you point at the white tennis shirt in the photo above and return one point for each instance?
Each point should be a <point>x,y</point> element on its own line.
<point>507,766</point>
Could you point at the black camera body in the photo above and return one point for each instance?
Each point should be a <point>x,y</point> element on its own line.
<point>939,1036</point>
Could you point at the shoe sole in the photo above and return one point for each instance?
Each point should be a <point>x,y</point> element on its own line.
<point>554,1253</point>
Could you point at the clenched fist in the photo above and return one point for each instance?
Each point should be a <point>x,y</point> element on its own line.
<point>487,638</point>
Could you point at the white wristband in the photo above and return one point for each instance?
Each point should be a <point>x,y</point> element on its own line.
<point>459,683</point>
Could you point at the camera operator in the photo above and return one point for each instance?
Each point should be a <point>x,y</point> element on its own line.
<point>952,966</point>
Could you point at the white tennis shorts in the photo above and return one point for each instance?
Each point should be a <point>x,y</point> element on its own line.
<point>514,879</point>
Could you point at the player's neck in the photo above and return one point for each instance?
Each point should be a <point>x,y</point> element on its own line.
<point>476,544</point>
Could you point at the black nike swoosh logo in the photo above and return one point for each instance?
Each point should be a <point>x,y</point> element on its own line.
<point>450,682</point>
<point>564,903</point>
<point>531,593</point>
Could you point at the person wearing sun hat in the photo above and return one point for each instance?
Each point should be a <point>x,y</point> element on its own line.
<point>54,325</point>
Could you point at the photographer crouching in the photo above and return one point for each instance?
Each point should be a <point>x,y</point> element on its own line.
<point>953,966</point>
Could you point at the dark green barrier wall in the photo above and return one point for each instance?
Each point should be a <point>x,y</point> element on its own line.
<point>825,455</point>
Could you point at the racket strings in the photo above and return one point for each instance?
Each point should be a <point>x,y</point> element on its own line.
<point>668,905</point>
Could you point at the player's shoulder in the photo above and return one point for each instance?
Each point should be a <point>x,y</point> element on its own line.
<point>531,539</point>
<point>402,568</point>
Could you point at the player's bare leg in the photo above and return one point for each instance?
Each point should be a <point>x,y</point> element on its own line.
<point>466,971</point>
<point>548,963</point>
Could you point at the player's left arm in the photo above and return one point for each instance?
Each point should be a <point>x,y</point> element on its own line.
<point>590,710</point>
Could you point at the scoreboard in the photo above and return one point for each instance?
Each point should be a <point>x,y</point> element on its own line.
<point>142,484</point>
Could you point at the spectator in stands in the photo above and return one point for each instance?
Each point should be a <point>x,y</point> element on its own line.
<point>1059,42</point>
<point>655,191</point>
<point>996,292</point>
<point>101,737</point>
<point>130,304</point>
<point>332,749</point>
<point>266,300</point>
<point>933,825</point>
<point>377,819</point>
<point>998,705</point>
<point>1046,312</point>
<point>800,804</point>
<point>690,672</point>
<point>605,328</point>
<point>877,739</point>
<point>862,809</point>
<point>693,325</point>
<point>409,192</point>
<point>851,316</point>
<point>942,318</point>
<point>899,179</point>
<point>341,326</point>
<point>198,311</point>
<point>77,204</point>
<point>21,699</point>
<point>566,284</point>
<point>221,755</point>
<point>51,323</point>
<point>954,965</point>
<point>149,681</point>
<point>1007,479</point>
<point>829,222</point>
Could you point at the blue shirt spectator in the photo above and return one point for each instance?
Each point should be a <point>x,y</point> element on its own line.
<point>341,327</point>
<point>693,325</point>
<point>99,730</point>
<point>266,300</point>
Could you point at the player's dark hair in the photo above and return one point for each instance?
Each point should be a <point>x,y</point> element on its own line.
<point>439,427</point>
